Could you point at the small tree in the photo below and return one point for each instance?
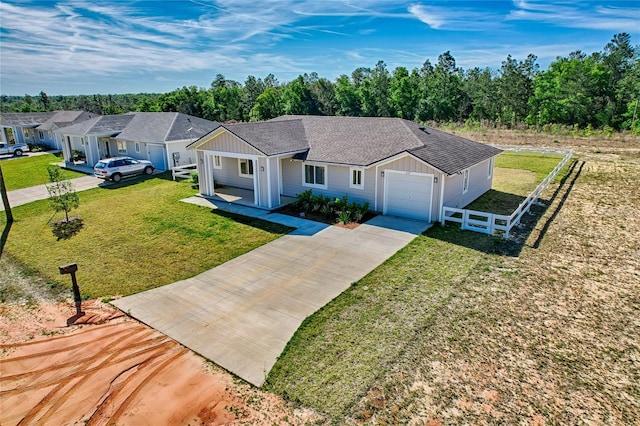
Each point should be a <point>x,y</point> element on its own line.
<point>5,199</point>
<point>62,196</point>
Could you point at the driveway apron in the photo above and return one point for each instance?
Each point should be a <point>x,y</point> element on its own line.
<point>242,313</point>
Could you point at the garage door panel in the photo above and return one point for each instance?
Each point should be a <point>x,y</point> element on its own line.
<point>408,195</point>
<point>156,156</point>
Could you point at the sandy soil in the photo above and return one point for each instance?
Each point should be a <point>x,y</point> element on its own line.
<point>103,368</point>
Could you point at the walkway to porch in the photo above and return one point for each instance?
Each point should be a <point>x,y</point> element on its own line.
<point>243,197</point>
<point>81,167</point>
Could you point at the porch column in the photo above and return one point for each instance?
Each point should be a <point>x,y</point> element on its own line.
<point>256,183</point>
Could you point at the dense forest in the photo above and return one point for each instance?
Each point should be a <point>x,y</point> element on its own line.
<point>597,90</point>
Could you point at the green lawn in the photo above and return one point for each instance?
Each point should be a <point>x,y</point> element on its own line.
<point>338,352</point>
<point>136,236</point>
<point>31,171</point>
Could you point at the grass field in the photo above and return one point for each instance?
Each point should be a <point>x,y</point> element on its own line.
<point>136,236</point>
<point>461,328</point>
<point>515,176</point>
<point>457,327</point>
<point>31,171</point>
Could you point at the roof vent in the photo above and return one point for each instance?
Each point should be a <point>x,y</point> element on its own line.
<point>424,129</point>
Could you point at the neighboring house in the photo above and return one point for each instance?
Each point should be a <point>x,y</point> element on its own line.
<point>20,127</point>
<point>397,166</point>
<point>38,127</point>
<point>91,140</point>
<point>49,132</point>
<point>160,137</point>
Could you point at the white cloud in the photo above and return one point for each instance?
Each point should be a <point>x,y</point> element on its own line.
<point>457,18</point>
<point>577,15</point>
<point>428,15</point>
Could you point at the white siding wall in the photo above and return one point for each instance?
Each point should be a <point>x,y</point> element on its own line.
<point>187,156</point>
<point>478,185</point>
<point>226,142</point>
<point>230,174</point>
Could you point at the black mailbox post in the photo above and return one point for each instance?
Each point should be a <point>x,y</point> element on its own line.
<point>71,268</point>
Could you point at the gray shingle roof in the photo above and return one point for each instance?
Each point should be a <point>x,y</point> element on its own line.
<point>272,137</point>
<point>361,141</point>
<point>26,119</point>
<point>450,153</point>
<point>107,125</point>
<point>65,118</point>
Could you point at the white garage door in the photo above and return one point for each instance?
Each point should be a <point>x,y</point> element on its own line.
<point>408,195</point>
<point>156,156</point>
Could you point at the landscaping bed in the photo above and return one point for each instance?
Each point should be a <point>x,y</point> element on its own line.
<point>330,210</point>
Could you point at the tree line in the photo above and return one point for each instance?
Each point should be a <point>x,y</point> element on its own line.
<point>599,90</point>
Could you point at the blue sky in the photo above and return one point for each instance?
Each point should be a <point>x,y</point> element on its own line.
<point>86,47</point>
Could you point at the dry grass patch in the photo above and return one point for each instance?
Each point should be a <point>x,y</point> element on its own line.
<point>549,337</point>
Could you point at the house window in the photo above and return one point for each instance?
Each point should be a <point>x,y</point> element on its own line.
<point>465,181</point>
<point>41,135</point>
<point>122,147</point>
<point>246,167</point>
<point>137,147</point>
<point>25,132</point>
<point>490,171</point>
<point>217,162</point>
<point>315,176</point>
<point>82,141</point>
<point>49,135</point>
<point>356,178</point>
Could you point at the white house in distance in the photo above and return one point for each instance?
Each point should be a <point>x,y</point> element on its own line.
<point>160,137</point>
<point>39,128</point>
<point>399,167</point>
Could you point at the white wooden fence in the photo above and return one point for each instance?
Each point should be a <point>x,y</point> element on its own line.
<point>183,171</point>
<point>489,223</point>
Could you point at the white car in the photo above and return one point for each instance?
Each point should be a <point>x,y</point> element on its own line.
<point>118,167</point>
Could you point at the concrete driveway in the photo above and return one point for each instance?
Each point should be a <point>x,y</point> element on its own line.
<point>242,313</point>
<point>19,197</point>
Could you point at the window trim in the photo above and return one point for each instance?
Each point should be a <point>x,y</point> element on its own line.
<point>124,144</point>
<point>136,147</point>
<point>249,168</point>
<point>315,185</point>
<point>217,162</point>
<point>41,135</point>
<point>352,171</point>
<point>490,171</point>
<point>465,181</point>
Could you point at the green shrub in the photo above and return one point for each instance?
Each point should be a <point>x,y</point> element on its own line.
<point>37,147</point>
<point>194,177</point>
<point>329,208</point>
<point>344,216</point>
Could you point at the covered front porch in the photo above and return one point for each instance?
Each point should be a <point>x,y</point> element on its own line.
<point>243,197</point>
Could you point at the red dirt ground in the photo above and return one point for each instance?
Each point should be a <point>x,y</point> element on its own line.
<point>104,368</point>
